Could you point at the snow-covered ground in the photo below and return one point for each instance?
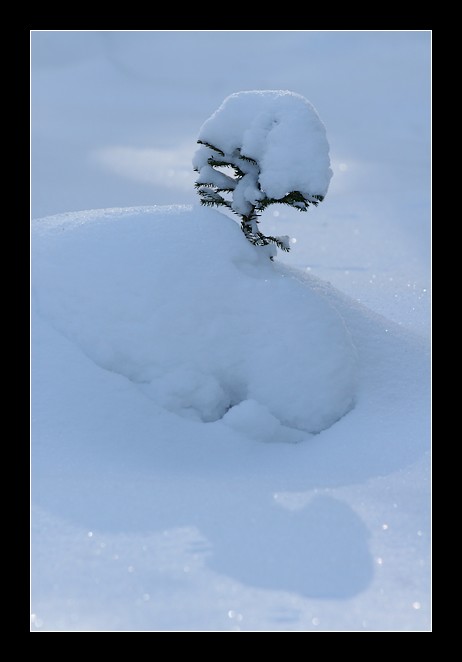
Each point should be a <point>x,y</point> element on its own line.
<point>149,512</point>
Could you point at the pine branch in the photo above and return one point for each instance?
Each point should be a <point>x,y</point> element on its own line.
<point>239,173</point>
<point>215,203</point>
<point>209,194</point>
<point>263,204</point>
<point>219,163</point>
<point>245,166</point>
<point>259,239</point>
<point>280,243</point>
<point>293,199</point>
<point>246,158</point>
<point>215,149</point>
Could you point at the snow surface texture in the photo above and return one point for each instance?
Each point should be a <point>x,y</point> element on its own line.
<point>281,132</point>
<point>147,520</point>
<point>163,364</point>
<point>197,318</point>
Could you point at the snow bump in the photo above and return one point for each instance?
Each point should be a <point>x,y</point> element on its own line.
<point>180,303</point>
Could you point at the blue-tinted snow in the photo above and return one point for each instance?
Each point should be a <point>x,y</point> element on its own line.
<point>144,519</point>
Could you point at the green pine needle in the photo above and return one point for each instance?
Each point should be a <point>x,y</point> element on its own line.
<point>210,195</point>
<point>215,149</point>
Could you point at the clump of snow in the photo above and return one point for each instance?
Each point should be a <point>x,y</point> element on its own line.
<point>176,300</point>
<point>282,132</point>
<point>189,392</point>
<point>256,421</point>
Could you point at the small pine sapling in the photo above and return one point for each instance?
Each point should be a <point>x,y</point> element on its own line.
<point>230,171</point>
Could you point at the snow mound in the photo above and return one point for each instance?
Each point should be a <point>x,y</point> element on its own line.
<point>278,129</point>
<point>176,300</point>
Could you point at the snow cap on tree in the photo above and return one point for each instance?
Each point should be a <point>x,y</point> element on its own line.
<point>276,147</point>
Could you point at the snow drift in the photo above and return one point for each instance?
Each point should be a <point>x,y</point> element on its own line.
<point>146,518</point>
<point>176,300</point>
